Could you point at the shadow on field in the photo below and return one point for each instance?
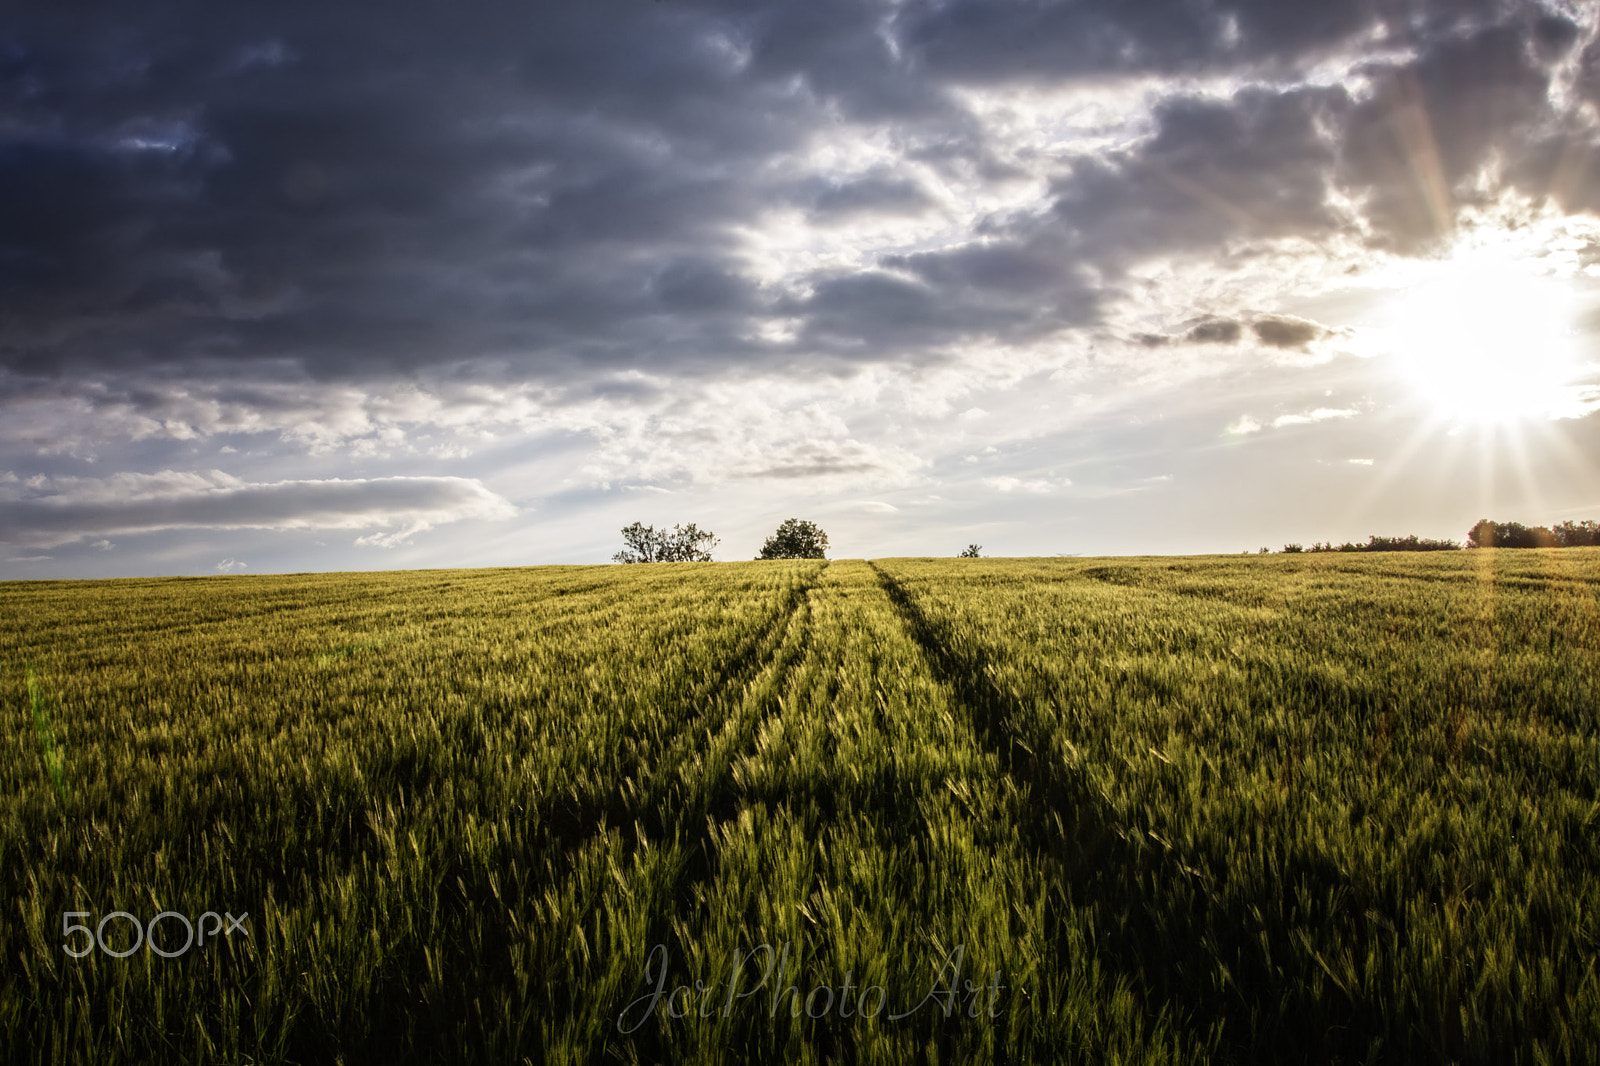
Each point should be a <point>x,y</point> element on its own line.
<point>1210,962</point>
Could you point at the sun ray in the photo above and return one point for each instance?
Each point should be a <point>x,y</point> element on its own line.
<point>1413,129</point>
<point>1528,479</point>
<point>1394,465</point>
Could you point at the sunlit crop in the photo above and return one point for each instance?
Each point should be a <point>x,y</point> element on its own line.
<point>1321,808</point>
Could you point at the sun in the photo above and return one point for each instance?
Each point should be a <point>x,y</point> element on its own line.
<point>1485,340</point>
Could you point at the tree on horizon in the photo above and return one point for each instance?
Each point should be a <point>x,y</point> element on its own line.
<point>796,539</point>
<point>680,544</point>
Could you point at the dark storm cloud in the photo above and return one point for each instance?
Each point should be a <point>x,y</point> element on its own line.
<point>1014,290</point>
<point>1274,331</point>
<point>418,192</point>
<point>1279,332</point>
<point>1253,166</point>
<point>1215,331</point>
<point>1010,40</point>
<point>1409,153</point>
<point>1258,165</point>
<point>812,461</point>
<point>991,267</point>
<point>1553,35</point>
<point>349,192</point>
<point>698,284</point>
<point>916,303</point>
<point>1412,149</point>
<point>873,307</point>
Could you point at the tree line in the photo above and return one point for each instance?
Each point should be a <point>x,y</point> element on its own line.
<point>1490,534</point>
<point>797,539</point>
<point>1486,533</point>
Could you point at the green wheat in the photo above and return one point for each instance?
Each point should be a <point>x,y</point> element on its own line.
<point>1273,809</point>
<point>45,731</point>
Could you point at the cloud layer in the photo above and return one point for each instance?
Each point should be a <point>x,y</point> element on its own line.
<point>548,193</point>
<point>795,247</point>
<point>47,513</point>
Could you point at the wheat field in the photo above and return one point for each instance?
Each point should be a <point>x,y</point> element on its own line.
<point>1315,808</point>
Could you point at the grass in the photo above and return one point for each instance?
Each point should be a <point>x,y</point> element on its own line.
<point>1290,808</point>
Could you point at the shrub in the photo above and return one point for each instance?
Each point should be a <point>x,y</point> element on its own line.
<point>1410,543</point>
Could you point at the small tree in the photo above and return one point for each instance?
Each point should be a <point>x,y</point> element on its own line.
<point>971,552</point>
<point>680,544</point>
<point>796,540</point>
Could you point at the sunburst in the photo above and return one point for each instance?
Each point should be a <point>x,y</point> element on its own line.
<point>1486,340</point>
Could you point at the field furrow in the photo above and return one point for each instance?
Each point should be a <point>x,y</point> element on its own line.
<point>878,846</point>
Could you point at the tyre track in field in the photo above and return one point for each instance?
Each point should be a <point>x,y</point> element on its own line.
<point>1079,813</point>
<point>1168,937</point>
<point>992,711</point>
<point>828,1042</point>
<point>1091,858</point>
<point>658,807</point>
<point>672,810</point>
<point>685,819</point>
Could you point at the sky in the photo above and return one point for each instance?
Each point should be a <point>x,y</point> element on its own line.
<point>311,287</point>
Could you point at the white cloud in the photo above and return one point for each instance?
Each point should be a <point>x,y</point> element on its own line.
<point>1037,486</point>
<point>1245,424</point>
<point>1321,414</point>
<point>230,566</point>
